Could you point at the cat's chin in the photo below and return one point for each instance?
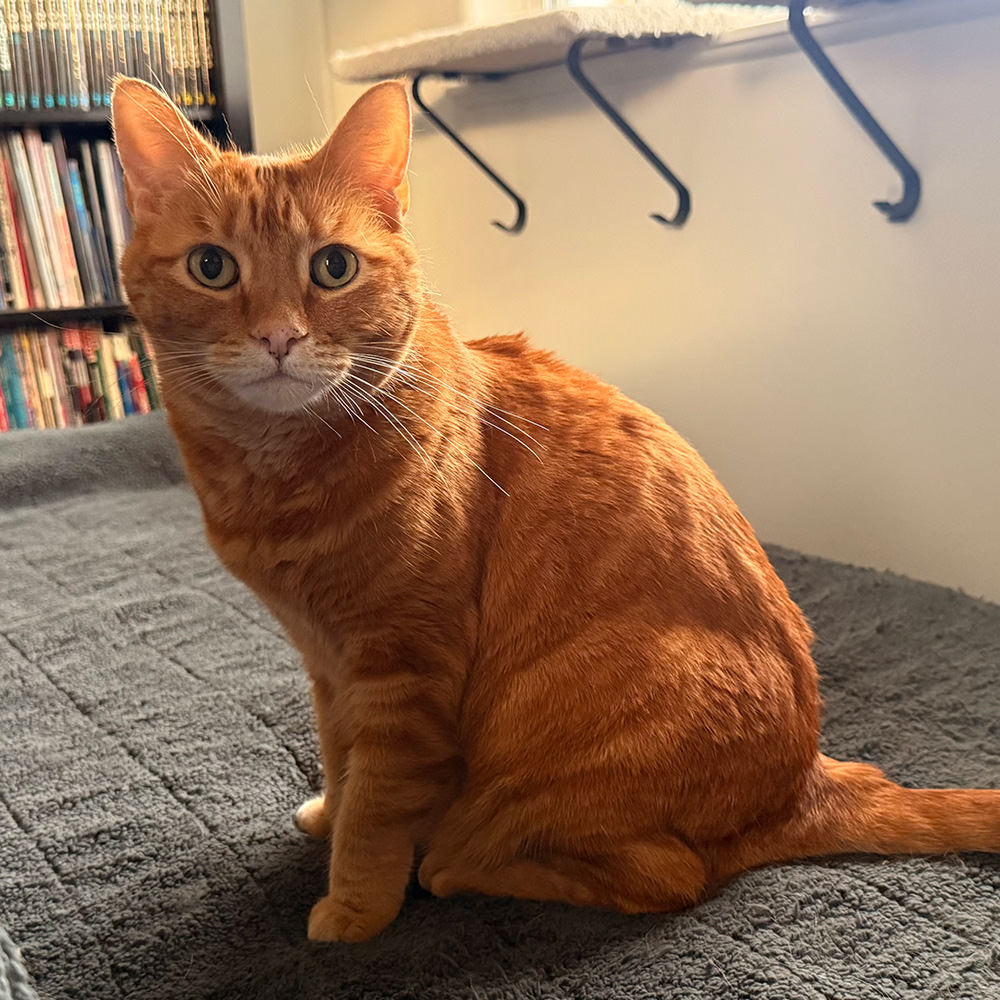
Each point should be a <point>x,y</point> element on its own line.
<point>279,393</point>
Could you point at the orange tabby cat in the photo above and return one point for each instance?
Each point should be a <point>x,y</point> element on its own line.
<point>545,648</point>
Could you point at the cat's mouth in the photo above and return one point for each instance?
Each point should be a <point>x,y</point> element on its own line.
<point>279,391</point>
<point>277,377</point>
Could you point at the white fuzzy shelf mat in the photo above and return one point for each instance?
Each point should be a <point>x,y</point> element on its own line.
<point>542,39</point>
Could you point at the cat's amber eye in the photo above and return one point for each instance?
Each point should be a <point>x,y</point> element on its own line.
<point>333,266</point>
<point>212,267</point>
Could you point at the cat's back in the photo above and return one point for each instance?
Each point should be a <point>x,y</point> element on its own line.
<point>585,426</point>
<point>611,493</point>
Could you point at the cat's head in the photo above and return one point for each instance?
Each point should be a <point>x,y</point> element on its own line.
<point>263,280</point>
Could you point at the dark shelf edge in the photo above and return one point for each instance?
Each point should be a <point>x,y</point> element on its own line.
<point>9,319</point>
<point>100,116</point>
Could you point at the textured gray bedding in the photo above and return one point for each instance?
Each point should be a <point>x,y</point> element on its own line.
<point>155,738</point>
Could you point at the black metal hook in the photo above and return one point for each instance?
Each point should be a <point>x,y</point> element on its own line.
<point>898,211</point>
<point>587,86</point>
<point>522,210</point>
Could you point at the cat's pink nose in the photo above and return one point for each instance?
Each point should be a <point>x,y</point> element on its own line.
<point>278,338</point>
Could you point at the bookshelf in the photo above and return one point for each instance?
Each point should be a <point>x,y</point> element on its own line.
<point>70,352</point>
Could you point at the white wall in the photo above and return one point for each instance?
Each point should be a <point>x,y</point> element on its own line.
<point>838,372</point>
<point>288,71</point>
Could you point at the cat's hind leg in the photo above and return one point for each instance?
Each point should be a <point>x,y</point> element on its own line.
<point>651,876</point>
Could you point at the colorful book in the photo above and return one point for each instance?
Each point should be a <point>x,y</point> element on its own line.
<point>101,229</point>
<point>13,384</point>
<point>64,234</point>
<point>4,418</point>
<point>32,218</point>
<point>26,374</point>
<point>115,214</point>
<point>32,347</point>
<point>85,403</point>
<point>38,187</point>
<point>82,251</point>
<point>54,363</point>
<point>103,288</point>
<point>30,54</point>
<point>12,253</point>
<point>7,83</point>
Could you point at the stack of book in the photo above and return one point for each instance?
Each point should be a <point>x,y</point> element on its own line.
<point>64,54</point>
<point>68,377</point>
<point>63,222</point>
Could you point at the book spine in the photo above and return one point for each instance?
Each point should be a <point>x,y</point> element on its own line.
<point>101,291</point>
<point>19,297</point>
<point>143,351</point>
<point>63,232</point>
<point>157,15</point>
<point>146,40</point>
<point>29,51</point>
<point>7,390</point>
<point>54,353</point>
<point>38,172</point>
<point>46,375</point>
<point>46,52</point>
<point>190,34</point>
<point>14,391</point>
<point>122,32</point>
<point>78,378</point>
<point>109,371</point>
<point>114,208</point>
<point>205,59</point>
<point>104,250</point>
<point>77,85</point>
<point>32,288</point>
<point>74,416</point>
<point>106,42</point>
<point>90,343</point>
<point>4,418</point>
<point>120,359</point>
<point>138,384</point>
<point>26,371</point>
<point>33,220</point>
<point>18,56</point>
<point>117,36</point>
<point>59,174</point>
<point>92,46</point>
<point>6,282</point>
<point>6,59</point>
<point>62,65</point>
<point>139,56</point>
<point>43,386</point>
<point>173,48</point>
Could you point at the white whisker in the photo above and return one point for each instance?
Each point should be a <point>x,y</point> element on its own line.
<point>437,431</point>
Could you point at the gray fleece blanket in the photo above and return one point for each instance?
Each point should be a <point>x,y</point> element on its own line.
<point>155,738</point>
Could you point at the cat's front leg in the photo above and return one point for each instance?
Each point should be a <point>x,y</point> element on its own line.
<point>400,774</point>
<point>316,816</point>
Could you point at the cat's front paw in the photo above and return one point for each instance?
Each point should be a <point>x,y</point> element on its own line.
<point>312,819</point>
<point>332,920</point>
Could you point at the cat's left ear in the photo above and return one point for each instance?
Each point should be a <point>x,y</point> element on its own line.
<point>157,145</point>
<point>370,149</point>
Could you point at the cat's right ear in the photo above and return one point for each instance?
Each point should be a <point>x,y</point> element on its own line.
<point>157,145</point>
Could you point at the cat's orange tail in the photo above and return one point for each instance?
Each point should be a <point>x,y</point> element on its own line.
<point>849,808</point>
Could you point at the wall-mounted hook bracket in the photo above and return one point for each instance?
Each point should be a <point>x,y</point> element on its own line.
<point>522,210</point>
<point>894,211</point>
<point>587,86</point>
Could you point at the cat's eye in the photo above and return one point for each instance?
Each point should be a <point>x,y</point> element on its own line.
<point>212,267</point>
<point>333,266</point>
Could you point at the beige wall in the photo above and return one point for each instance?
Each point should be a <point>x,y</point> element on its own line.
<point>840,373</point>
